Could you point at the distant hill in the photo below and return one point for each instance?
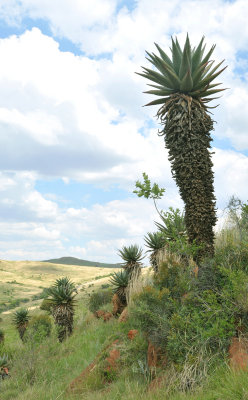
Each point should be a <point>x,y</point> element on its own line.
<point>84,263</point>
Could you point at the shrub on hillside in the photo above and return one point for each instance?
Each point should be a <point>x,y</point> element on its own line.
<point>39,328</point>
<point>46,305</point>
<point>174,275</point>
<point>97,299</point>
<point>185,314</point>
<point>200,322</point>
<point>151,312</point>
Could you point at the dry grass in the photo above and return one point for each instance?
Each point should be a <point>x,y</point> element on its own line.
<point>138,282</point>
<point>22,279</point>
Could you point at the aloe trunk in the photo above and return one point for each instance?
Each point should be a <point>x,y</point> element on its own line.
<point>187,128</point>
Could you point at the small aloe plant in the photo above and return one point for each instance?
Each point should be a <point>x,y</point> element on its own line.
<point>154,241</point>
<point>120,281</point>
<point>61,296</point>
<point>20,320</point>
<point>132,256</point>
<point>4,366</point>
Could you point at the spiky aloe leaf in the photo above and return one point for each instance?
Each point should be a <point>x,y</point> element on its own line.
<point>154,241</point>
<point>196,57</point>
<point>187,82</point>
<point>131,254</point>
<point>61,296</point>
<point>20,320</point>
<point>120,281</point>
<point>186,59</point>
<point>173,224</point>
<point>176,56</point>
<point>164,55</point>
<point>160,92</point>
<point>4,361</point>
<point>189,72</point>
<point>21,317</point>
<point>66,283</point>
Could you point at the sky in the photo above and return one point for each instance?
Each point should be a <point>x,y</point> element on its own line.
<point>74,135</point>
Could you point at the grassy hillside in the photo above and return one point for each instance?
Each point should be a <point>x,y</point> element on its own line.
<point>77,261</point>
<point>44,371</point>
<point>186,321</point>
<point>23,280</point>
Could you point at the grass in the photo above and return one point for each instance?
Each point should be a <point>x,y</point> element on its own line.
<point>44,371</point>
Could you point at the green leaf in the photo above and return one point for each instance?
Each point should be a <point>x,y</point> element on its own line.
<point>207,68</point>
<point>187,82</point>
<point>175,81</point>
<point>160,92</point>
<point>210,99</point>
<point>176,57</point>
<point>146,190</point>
<point>179,48</point>
<point>210,92</point>
<point>208,79</point>
<point>164,55</point>
<point>159,87</point>
<point>157,62</point>
<point>206,58</point>
<point>156,102</point>
<point>213,70</point>
<point>198,73</point>
<point>185,61</point>
<point>214,85</point>
<point>161,79</point>
<point>196,59</point>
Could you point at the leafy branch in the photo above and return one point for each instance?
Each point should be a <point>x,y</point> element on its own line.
<point>148,191</point>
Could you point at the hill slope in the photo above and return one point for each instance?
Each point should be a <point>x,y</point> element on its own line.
<point>78,261</point>
<point>21,280</point>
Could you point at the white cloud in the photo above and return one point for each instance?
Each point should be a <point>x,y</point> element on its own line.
<point>236,121</point>
<point>43,128</point>
<point>79,118</point>
<point>231,173</point>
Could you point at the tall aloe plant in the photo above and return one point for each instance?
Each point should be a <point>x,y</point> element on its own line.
<point>132,257</point>
<point>184,84</point>
<point>155,242</point>
<point>61,296</point>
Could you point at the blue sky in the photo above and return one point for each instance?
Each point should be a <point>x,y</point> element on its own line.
<point>74,134</point>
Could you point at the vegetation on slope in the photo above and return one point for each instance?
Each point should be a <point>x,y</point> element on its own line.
<point>191,318</point>
<point>77,261</point>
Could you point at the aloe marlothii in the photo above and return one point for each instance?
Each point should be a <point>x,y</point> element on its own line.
<point>62,304</point>
<point>120,281</point>
<point>20,320</point>
<point>184,85</point>
<point>132,256</point>
<point>154,241</point>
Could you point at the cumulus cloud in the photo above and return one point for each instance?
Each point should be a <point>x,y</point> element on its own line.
<point>80,117</point>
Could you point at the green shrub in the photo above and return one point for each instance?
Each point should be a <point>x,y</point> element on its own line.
<point>46,305</point>
<point>233,255</point>
<point>200,322</point>
<point>151,313</point>
<point>187,325</point>
<point>173,275</point>
<point>105,285</point>
<point>39,328</point>
<point>97,299</point>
